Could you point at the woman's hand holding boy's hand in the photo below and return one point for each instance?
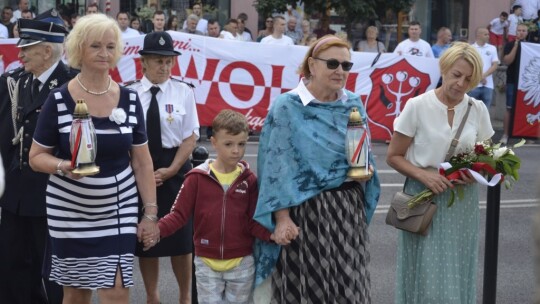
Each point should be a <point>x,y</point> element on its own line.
<point>286,230</point>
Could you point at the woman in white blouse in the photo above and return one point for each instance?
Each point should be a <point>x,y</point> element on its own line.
<point>441,267</point>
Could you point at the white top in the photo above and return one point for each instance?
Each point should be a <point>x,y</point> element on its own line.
<point>245,36</point>
<point>129,32</point>
<point>176,97</point>
<point>306,97</point>
<point>497,27</point>
<point>284,40</point>
<point>529,8</point>
<point>489,56</point>
<point>228,35</point>
<point>202,26</point>
<point>414,48</point>
<point>4,34</point>
<point>513,22</point>
<point>17,15</point>
<point>425,119</point>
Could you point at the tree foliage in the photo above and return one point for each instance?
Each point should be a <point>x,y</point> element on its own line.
<point>351,10</point>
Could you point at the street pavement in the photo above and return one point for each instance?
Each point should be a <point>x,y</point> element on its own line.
<point>516,280</point>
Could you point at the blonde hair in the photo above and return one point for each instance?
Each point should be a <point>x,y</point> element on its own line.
<point>320,46</point>
<point>231,121</point>
<point>467,52</point>
<point>87,29</point>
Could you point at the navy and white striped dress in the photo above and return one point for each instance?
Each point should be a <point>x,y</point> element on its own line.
<point>93,221</point>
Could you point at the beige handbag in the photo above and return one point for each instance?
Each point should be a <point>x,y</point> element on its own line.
<point>415,220</point>
<point>418,219</point>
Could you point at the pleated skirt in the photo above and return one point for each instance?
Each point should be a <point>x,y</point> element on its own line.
<point>328,262</point>
<point>93,226</point>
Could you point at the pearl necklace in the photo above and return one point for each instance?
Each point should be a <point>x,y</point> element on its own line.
<point>92,92</point>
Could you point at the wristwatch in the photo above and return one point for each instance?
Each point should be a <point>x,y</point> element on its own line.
<point>59,170</point>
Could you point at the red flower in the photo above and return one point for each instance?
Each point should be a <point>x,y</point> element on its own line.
<point>480,150</point>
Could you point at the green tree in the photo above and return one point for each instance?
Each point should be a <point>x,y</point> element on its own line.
<point>351,10</point>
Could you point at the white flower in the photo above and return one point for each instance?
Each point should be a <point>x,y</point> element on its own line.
<point>118,115</point>
<point>497,153</point>
<point>531,79</point>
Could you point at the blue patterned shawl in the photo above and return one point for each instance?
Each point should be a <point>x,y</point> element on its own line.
<point>302,153</point>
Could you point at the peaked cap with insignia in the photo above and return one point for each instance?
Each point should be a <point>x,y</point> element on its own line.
<point>47,26</point>
<point>158,43</point>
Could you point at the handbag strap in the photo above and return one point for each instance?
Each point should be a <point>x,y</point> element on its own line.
<point>455,141</point>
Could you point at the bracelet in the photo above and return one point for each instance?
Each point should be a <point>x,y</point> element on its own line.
<point>151,217</point>
<point>149,205</point>
<point>58,170</point>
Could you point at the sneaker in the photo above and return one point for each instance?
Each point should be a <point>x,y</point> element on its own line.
<point>504,139</point>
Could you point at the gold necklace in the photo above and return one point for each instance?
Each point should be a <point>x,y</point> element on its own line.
<point>92,92</point>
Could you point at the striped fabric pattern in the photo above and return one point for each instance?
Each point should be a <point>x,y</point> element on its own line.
<point>328,262</point>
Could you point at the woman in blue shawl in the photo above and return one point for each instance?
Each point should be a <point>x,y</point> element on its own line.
<point>304,194</point>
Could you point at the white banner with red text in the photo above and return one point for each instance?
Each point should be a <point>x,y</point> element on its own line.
<point>248,76</point>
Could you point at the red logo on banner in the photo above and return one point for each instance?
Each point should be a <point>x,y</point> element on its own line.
<point>392,87</point>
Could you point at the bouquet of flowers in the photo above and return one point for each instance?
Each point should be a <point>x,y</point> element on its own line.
<point>484,160</point>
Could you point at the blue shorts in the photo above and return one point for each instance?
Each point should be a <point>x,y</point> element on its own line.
<point>484,94</point>
<point>510,98</point>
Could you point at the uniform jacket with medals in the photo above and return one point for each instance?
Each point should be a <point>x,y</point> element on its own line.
<point>25,189</point>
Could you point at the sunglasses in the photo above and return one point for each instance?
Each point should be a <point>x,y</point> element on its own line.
<point>333,64</point>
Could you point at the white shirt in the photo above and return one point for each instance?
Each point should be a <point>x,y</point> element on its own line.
<point>513,22</point>
<point>284,40</point>
<point>245,36</point>
<point>202,26</point>
<point>425,119</point>
<point>414,48</point>
<point>176,97</point>
<point>489,56</point>
<point>529,8</point>
<point>228,35</point>
<point>306,97</point>
<point>129,32</point>
<point>45,75</point>
<point>4,34</point>
<point>497,27</point>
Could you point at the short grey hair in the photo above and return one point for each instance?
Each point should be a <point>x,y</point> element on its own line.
<point>193,17</point>
<point>57,50</point>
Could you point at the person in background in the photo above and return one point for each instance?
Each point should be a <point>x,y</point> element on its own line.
<point>27,14</point>
<point>242,34</point>
<point>414,45</point>
<point>4,33</point>
<point>169,104</point>
<point>512,52</point>
<point>202,24</point>
<point>123,22</point>
<point>225,268</point>
<point>490,62</point>
<point>23,228</point>
<point>529,9</point>
<point>158,21</point>
<point>371,44</point>
<point>306,31</point>
<point>278,37</point>
<point>292,12</point>
<point>93,220</point>
<point>213,28</point>
<point>534,36</point>
<point>441,267</point>
<point>311,189</point>
<point>244,18</point>
<point>92,8</point>
<point>192,21</point>
<point>230,30</point>
<point>513,20</point>
<point>268,29</point>
<point>173,24</point>
<point>444,37</point>
<point>135,23</point>
<point>7,14</point>
<point>292,31</point>
<point>310,39</point>
<point>324,29</point>
<point>497,31</point>
<point>23,5</point>
<point>73,20</point>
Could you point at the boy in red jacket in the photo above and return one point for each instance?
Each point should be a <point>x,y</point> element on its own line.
<point>221,195</point>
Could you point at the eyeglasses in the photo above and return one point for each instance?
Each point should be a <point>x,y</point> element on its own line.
<point>333,64</point>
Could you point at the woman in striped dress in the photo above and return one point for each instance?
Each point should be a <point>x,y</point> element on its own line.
<point>302,171</point>
<point>93,220</point>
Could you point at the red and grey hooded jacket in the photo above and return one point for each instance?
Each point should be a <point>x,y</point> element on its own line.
<point>223,221</point>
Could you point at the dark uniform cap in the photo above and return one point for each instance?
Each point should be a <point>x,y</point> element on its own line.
<point>47,26</point>
<point>158,43</point>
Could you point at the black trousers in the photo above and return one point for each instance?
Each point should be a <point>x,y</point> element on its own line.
<point>23,242</point>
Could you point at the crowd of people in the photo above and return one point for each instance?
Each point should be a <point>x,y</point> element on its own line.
<point>73,233</point>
